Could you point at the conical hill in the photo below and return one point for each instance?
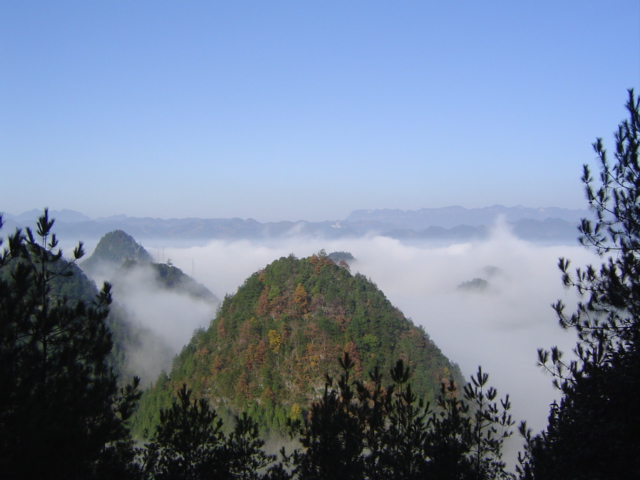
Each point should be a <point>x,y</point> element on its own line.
<point>272,342</point>
<point>113,249</point>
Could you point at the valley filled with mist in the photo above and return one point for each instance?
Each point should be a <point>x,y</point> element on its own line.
<point>500,328</point>
<point>483,301</point>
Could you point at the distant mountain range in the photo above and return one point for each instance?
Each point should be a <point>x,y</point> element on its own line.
<point>437,224</point>
<point>450,217</point>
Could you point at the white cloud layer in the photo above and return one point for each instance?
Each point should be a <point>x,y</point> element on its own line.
<point>500,328</point>
<point>172,315</point>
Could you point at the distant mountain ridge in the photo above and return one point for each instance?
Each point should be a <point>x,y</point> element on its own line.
<point>29,218</point>
<point>449,217</point>
<point>439,224</point>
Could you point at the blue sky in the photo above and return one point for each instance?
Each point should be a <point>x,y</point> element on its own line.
<point>287,110</point>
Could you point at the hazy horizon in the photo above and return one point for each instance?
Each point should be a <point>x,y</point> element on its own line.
<point>36,212</point>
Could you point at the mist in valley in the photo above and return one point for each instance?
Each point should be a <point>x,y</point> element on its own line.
<point>499,327</point>
<point>160,320</point>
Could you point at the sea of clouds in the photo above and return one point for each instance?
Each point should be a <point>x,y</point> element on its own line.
<point>499,328</point>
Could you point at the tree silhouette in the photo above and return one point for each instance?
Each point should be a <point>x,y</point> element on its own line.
<point>61,413</point>
<point>594,432</point>
<point>333,437</point>
<point>366,431</point>
<point>190,444</point>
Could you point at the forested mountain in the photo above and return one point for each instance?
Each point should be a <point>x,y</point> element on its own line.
<point>269,347</point>
<point>118,255</point>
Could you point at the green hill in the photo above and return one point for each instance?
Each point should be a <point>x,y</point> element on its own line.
<point>270,345</point>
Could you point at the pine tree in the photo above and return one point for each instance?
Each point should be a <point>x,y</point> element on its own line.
<point>594,431</point>
<point>190,444</point>
<point>367,431</point>
<point>61,415</point>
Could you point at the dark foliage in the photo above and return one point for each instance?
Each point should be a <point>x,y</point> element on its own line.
<point>365,431</point>
<point>61,413</point>
<point>190,444</point>
<point>594,432</point>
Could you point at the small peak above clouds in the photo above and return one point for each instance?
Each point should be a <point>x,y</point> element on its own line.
<point>475,285</point>
<point>338,257</point>
<point>156,305</point>
<point>113,250</point>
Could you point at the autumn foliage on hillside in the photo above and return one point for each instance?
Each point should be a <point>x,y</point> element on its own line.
<point>272,343</point>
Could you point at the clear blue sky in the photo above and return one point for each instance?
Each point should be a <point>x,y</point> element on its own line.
<point>282,110</point>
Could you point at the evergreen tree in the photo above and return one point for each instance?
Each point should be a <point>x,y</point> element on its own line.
<point>61,413</point>
<point>365,431</point>
<point>594,432</point>
<point>190,444</point>
<point>333,437</point>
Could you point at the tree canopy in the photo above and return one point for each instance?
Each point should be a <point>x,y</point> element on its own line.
<point>594,431</point>
<point>62,413</point>
<point>272,342</point>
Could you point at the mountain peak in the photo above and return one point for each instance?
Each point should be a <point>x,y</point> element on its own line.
<point>272,342</point>
<point>114,248</point>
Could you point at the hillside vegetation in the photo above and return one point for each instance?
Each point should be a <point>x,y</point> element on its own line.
<point>270,345</point>
<point>139,349</point>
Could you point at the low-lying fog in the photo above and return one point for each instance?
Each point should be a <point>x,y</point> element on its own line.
<point>499,327</point>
